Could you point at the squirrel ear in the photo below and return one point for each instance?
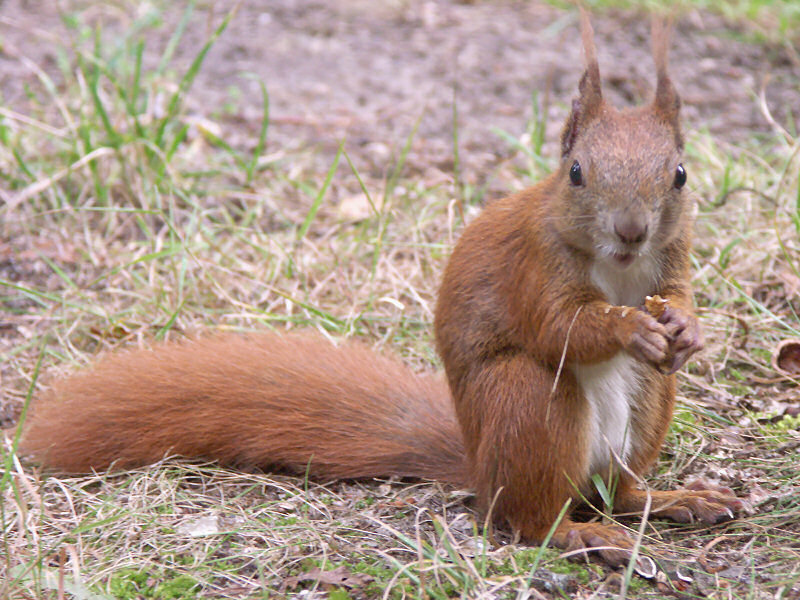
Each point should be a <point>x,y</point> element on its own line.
<point>590,96</point>
<point>667,102</point>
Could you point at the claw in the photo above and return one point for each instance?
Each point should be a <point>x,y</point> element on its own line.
<point>728,516</point>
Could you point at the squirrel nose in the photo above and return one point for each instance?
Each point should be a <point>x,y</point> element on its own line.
<point>631,230</point>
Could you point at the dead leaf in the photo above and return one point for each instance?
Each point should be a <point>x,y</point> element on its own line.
<point>340,577</point>
<point>758,495</point>
<point>200,527</point>
<point>786,358</point>
<point>353,209</point>
<point>791,283</point>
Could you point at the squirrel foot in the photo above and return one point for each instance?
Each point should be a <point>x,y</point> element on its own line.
<point>700,502</point>
<point>611,542</point>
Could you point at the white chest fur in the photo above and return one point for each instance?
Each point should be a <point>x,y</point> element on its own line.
<point>626,287</point>
<point>611,387</point>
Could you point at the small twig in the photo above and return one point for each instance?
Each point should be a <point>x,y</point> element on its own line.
<point>41,185</point>
<point>561,362</point>
<point>762,97</point>
<point>724,198</point>
<point>62,558</point>
<point>15,116</point>
<point>487,522</point>
<point>745,327</point>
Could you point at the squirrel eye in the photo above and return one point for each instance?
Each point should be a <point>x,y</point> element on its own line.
<point>575,175</point>
<point>680,177</point>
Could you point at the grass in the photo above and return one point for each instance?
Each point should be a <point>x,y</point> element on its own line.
<point>767,19</point>
<point>129,217</point>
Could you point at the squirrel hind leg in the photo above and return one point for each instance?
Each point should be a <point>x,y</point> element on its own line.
<point>531,452</point>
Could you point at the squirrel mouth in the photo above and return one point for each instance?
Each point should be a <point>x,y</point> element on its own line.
<point>624,259</point>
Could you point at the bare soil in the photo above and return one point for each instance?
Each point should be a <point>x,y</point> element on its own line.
<point>368,71</point>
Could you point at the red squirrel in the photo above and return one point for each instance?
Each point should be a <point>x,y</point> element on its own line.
<point>555,372</point>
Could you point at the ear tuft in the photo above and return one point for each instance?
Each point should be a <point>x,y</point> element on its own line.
<point>590,98</point>
<point>666,102</point>
<point>590,82</point>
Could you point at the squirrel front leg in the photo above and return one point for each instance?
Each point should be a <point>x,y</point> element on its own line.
<point>596,331</point>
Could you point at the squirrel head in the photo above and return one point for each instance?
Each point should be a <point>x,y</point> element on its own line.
<point>620,180</point>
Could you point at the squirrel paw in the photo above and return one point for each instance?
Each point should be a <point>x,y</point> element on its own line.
<point>684,335</point>
<point>643,337</point>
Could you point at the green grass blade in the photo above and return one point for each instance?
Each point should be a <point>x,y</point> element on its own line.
<point>94,84</point>
<point>8,467</point>
<point>188,79</point>
<point>361,184</point>
<point>175,38</point>
<point>136,81</point>
<point>401,161</point>
<point>262,134</point>
<point>163,330</point>
<point>545,542</point>
<point>312,212</point>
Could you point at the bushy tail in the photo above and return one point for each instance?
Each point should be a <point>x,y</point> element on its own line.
<point>269,401</point>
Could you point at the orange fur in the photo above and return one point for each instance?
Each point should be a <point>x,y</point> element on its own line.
<point>267,401</point>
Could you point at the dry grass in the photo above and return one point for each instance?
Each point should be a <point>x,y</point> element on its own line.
<point>126,222</point>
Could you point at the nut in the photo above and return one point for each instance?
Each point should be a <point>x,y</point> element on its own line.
<point>655,305</point>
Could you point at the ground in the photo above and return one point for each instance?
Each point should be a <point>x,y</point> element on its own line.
<point>440,107</point>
